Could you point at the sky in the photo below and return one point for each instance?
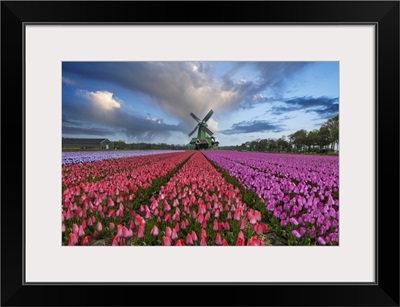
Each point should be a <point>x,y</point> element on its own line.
<point>151,101</point>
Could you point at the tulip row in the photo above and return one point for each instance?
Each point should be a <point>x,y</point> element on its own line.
<point>197,207</point>
<point>107,170</point>
<point>80,157</point>
<point>111,199</point>
<point>301,192</point>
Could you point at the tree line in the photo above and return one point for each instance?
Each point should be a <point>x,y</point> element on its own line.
<point>322,140</point>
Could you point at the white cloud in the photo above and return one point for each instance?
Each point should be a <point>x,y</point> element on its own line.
<point>68,81</point>
<point>213,125</point>
<point>102,99</point>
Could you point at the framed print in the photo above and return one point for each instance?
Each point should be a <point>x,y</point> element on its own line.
<point>237,123</point>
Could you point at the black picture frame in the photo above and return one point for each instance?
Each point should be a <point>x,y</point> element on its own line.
<point>383,14</point>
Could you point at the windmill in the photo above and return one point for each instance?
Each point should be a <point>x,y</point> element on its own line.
<point>205,138</point>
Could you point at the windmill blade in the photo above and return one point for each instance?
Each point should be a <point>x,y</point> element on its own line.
<point>195,117</point>
<point>207,130</point>
<point>208,116</point>
<point>193,131</point>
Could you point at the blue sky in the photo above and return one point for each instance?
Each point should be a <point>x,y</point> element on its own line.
<point>151,101</point>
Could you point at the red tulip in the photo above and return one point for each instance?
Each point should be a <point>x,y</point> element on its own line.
<point>85,240</point>
<point>180,243</point>
<point>239,242</point>
<point>168,231</point>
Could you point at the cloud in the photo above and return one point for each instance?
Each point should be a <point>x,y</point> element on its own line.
<point>179,88</point>
<point>253,126</point>
<point>324,106</point>
<point>101,99</point>
<point>68,81</point>
<point>76,115</point>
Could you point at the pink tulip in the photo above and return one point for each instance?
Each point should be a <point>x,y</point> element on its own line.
<point>227,226</point>
<point>72,239</point>
<point>166,241</point>
<point>112,226</point>
<point>154,231</point>
<point>75,228</point>
<point>203,242</point>
<point>120,231</point>
<point>127,233</point>
<point>242,225</point>
<point>174,235</point>
<point>99,227</point>
<point>216,225</point>
<point>168,231</point>
<point>194,236</point>
<point>258,229</point>
<point>115,241</point>
<point>83,224</point>
<point>189,239</point>
<point>218,239</point>
<point>224,243</point>
<point>111,213</point>
<point>167,207</point>
<point>63,227</point>
<point>110,202</point>
<point>140,233</point>
<point>203,233</point>
<point>81,232</point>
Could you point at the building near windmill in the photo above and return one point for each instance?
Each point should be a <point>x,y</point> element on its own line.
<point>90,144</point>
<point>205,138</point>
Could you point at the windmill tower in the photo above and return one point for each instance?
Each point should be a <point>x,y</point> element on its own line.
<point>205,138</point>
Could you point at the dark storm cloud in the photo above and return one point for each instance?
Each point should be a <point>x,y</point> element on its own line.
<point>323,106</point>
<point>253,126</point>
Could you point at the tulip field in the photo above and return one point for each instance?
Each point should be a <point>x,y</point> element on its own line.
<point>199,198</point>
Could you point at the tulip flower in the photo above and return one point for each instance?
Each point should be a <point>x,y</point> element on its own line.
<point>99,227</point>
<point>166,241</point>
<point>194,235</point>
<point>168,231</point>
<point>85,240</point>
<point>154,230</point>
<point>72,239</point>
<point>218,239</point>
<point>140,233</point>
<point>179,243</point>
<point>189,239</point>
